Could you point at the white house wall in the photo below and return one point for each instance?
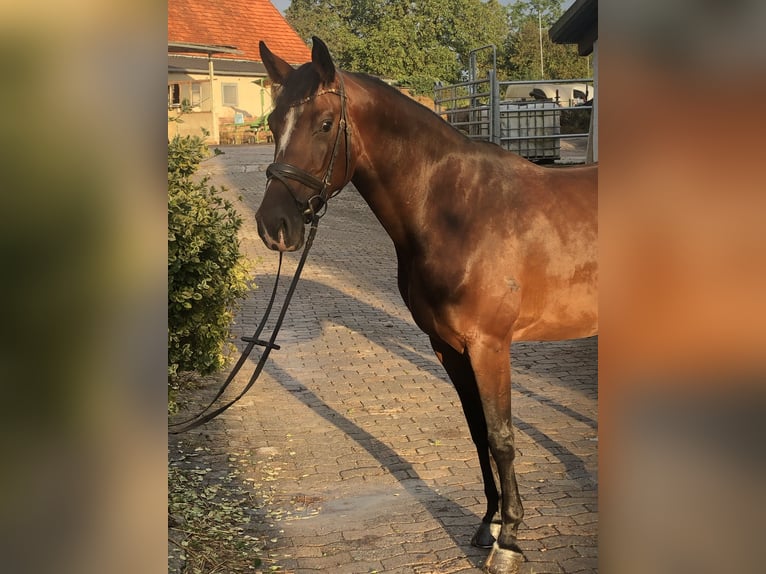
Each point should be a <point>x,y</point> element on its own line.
<point>252,101</point>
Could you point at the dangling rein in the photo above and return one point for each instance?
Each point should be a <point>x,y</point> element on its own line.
<point>204,416</point>
<point>282,172</point>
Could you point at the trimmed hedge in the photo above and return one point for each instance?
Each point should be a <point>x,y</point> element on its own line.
<point>207,274</point>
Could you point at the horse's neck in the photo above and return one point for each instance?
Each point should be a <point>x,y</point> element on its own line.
<point>397,143</point>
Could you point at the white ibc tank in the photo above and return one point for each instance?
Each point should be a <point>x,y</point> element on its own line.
<point>524,125</point>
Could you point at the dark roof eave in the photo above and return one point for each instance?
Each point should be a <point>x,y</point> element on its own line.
<point>578,25</point>
<point>221,66</point>
<point>193,48</point>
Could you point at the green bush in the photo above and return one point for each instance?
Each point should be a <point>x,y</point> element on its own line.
<point>207,274</point>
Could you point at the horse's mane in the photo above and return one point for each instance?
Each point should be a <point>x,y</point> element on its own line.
<point>402,99</point>
<point>307,82</point>
<point>377,82</point>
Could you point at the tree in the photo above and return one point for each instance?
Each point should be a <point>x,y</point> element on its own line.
<point>335,21</point>
<point>521,49</point>
<point>415,42</point>
<point>523,10</point>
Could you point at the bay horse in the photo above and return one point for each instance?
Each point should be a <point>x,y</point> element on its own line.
<point>491,248</point>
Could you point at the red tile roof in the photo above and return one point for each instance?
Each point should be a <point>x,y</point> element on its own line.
<point>240,23</point>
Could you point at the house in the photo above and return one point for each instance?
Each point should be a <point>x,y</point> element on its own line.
<point>216,80</point>
<point>579,25</point>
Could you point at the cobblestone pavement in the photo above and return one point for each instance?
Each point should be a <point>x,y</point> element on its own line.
<point>356,434</point>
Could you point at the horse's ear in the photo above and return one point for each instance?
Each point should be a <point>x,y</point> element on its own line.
<point>277,68</point>
<point>320,57</point>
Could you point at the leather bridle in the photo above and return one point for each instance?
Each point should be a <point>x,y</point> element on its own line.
<point>285,172</point>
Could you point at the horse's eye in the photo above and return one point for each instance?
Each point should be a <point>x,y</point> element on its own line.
<point>326,125</point>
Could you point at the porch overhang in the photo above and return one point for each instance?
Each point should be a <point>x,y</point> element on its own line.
<point>578,25</point>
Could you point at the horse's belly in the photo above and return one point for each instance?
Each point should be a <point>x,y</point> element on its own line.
<point>560,318</point>
<point>546,331</point>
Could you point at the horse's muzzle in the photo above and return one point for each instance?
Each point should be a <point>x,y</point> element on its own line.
<point>280,233</point>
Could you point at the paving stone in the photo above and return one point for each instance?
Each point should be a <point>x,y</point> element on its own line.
<point>326,563</point>
<point>540,567</point>
<point>404,560</point>
<point>580,564</point>
<point>359,567</point>
<point>557,555</point>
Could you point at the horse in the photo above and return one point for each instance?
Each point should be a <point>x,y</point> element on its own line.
<point>490,247</point>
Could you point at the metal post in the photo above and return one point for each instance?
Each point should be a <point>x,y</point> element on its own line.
<point>214,133</point>
<point>540,30</point>
<point>494,105</point>
<point>493,121</point>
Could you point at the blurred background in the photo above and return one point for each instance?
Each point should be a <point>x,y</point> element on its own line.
<point>681,362</point>
<point>83,351</point>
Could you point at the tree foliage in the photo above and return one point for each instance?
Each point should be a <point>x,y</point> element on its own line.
<point>420,42</point>
<point>416,42</point>
<point>207,274</point>
<point>530,21</point>
<point>543,11</point>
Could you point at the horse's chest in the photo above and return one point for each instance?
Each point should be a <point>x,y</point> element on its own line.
<point>431,296</point>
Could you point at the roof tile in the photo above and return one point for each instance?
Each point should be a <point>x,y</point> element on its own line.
<point>240,23</point>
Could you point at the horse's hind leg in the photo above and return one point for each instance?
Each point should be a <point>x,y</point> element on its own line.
<point>459,369</point>
<point>492,368</point>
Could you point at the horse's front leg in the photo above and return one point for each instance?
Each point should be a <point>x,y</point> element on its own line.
<point>492,369</point>
<point>458,367</point>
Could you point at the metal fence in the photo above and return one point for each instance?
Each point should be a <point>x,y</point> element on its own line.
<point>530,118</point>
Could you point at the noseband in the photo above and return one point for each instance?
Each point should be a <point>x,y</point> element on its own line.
<point>284,172</point>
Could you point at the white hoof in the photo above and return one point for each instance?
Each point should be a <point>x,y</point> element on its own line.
<point>494,528</point>
<point>503,561</point>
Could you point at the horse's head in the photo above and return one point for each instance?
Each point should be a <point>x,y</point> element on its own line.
<point>312,157</point>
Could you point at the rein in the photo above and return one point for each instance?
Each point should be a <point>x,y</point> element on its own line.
<point>203,416</point>
<point>282,172</point>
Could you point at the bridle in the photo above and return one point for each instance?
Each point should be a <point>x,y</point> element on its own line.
<point>284,172</point>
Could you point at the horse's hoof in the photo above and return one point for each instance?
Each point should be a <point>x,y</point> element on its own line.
<point>503,561</point>
<point>485,535</point>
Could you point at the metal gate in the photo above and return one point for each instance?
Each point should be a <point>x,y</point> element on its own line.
<point>530,118</point>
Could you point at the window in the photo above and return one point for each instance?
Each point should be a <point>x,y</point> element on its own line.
<point>196,94</point>
<point>174,95</point>
<point>230,95</point>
